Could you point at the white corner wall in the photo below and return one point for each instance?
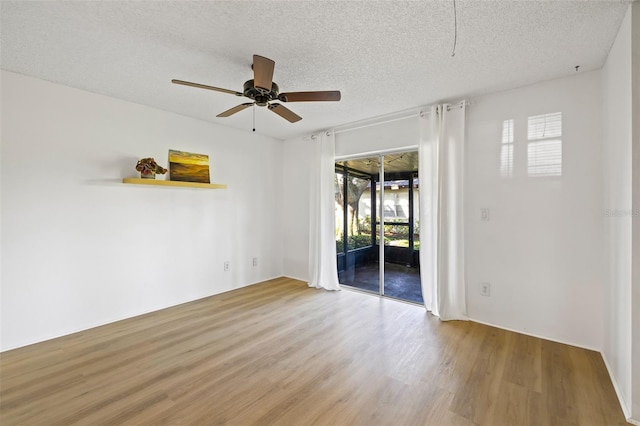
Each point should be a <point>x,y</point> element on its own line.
<point>80,249</point>
<point>617,155</point>
<point>541,250</point>
<point>635,297</point>
<point>295,215</point>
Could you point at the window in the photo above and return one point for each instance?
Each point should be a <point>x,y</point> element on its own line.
<point>544,147</point>
<point>506,151</point>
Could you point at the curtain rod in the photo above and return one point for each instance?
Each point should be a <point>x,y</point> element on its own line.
<point>421,112</point>
<point>326,132</point>
<point>409,114</point>
<point>449,107</point>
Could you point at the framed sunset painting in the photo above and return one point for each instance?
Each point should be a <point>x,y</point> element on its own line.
<point>188,166</point>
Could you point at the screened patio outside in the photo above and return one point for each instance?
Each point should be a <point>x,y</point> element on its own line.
<point>357,199</point>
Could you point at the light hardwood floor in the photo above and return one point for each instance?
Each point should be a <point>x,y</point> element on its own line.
<point>281,353</point>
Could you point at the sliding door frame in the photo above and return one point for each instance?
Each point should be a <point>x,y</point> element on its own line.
<point>381,225</point>
<point>379,207</point>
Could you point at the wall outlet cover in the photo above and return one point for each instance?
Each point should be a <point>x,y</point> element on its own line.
<point>485,289</point>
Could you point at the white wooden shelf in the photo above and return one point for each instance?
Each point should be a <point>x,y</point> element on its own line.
<point>138,181</point>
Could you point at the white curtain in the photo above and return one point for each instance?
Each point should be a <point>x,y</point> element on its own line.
<point>323,271</point>
<point>441,171</point>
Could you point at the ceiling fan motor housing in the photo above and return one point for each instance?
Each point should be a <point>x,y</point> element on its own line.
<point>261,96</point>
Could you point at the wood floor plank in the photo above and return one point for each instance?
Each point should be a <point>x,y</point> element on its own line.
<point>280,353</point>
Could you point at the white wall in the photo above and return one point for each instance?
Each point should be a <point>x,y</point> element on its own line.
<point>541,250</point>
<point>392,135</point>
<point>616,89</point>
<point>80,249</point>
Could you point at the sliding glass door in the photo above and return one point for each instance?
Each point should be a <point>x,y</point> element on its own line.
<point>377,232</point>
<point>401,238</point>
<point>355,242</point>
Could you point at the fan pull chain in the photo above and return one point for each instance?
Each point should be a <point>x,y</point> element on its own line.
<point>455,29</point>
<point>254,117</point>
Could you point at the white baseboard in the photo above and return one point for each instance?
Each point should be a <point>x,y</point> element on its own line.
<point>304,280</point>
<point>534,335</point>
<point>259,282</point>
<point>616,387</point>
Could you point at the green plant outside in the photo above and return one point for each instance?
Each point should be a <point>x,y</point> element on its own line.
<point>364,240</point>
<point>354,242</point>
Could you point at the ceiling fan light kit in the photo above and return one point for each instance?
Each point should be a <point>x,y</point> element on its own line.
<point>262,90</point>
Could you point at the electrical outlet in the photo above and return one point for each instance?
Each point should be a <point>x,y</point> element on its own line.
<point>255,261</point>
<point>226,265</point>
<point>484,215</point>
<point>485,289</point>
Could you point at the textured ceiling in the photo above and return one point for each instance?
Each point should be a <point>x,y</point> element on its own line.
<point>384,56</point>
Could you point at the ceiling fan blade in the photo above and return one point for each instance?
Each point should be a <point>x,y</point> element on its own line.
<point>263,72</point>
<point>235,109</point>
<point>204,86</point>
<point>285,113</point>
<point>328,95</point>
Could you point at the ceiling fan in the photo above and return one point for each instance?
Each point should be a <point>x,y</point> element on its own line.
<point>262,90</point>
